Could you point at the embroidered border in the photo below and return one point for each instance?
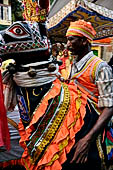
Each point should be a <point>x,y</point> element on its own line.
<point>83,70</point>
<point>52,128</point>
<point>100,150</point>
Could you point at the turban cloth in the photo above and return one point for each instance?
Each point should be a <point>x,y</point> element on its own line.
<point>81,28</point>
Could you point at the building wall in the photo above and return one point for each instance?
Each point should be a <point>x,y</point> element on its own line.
<point>103,51</point>
<point>107,53</point>
<point>5,13</point>
<point>6,2</point>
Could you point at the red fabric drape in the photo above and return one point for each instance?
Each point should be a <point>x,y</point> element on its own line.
<point>4,131</point>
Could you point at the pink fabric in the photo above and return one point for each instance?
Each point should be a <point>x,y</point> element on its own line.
<point>4,131</point>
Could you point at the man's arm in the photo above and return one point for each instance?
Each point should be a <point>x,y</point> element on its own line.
<point>104,81</point>
<point>83,145</point>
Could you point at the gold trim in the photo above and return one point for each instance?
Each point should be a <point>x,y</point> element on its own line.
<point>55,125</point>
<point>64,143</point>
<point>28,102</point>
<point>35,93</point>
<point>94,68</point>
<point>26,164</point>
<point>12,122</point>
<point>100,150</point>
<point>87,64</point>
<point>109,148</point>
<point>78,105</point>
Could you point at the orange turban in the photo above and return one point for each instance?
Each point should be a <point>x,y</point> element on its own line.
<point>81,28</point>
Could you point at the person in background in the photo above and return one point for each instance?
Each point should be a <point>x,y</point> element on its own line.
<point>57,50</point>
<point>10,157</point>
<point>93,76</point>
<point>60,49</point>
<point>65,68</point>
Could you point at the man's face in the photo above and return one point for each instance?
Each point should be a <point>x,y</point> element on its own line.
<point>74,44</point>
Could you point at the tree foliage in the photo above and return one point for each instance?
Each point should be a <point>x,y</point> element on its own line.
<point>16,10</point>
<point>51,1</point>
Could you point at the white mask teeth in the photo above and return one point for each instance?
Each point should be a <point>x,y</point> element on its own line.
<point>1,40</point>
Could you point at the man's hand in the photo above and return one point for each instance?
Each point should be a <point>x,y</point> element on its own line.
<point>81,151</point>
<point>83,145</point>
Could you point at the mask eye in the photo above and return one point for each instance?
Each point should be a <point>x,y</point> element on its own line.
<point>16,31</point>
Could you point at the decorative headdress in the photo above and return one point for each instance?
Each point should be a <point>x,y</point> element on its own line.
<point>35,10</point>
<point>81,28</point>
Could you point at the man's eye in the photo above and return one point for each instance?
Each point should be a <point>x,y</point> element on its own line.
<point>70,38</point>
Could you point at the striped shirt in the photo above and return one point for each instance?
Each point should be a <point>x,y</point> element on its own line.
<point>103,79</point>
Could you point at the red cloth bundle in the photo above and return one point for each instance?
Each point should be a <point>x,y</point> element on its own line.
<point>4,131</point>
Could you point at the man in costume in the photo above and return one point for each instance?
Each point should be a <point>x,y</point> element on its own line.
<point>94,78</point>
